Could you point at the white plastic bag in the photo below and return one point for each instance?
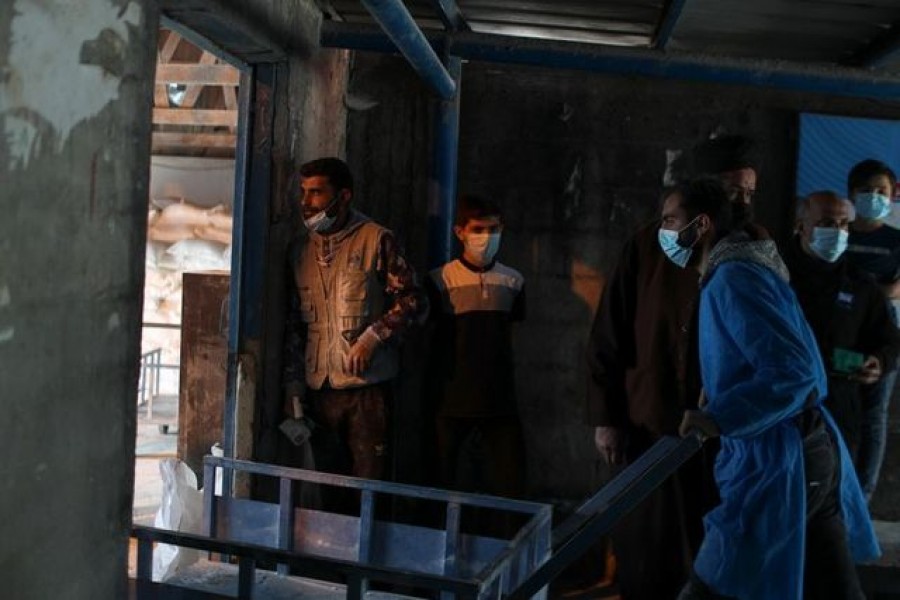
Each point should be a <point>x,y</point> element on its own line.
<point>181,509</point>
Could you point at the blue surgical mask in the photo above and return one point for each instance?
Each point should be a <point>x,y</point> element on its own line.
<point>482,247</point>
<point>872,205</point>
<point>828,243</point>
<point>668,241</point>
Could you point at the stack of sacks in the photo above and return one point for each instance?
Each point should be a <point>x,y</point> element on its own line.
<point>177,221</point>
<point>181,238</point>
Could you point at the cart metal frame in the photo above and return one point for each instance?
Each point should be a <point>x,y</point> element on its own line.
<point>445,563</point>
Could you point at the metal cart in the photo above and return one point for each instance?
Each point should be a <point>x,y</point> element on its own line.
<point>358,551</point>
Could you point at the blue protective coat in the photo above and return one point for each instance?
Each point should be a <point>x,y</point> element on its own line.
<point>759,363</point>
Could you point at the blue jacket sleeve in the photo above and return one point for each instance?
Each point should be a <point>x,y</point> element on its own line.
<point>760,361</point>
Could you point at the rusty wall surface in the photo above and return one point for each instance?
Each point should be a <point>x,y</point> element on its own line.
<point>75,99</point>
<point>576,161</point>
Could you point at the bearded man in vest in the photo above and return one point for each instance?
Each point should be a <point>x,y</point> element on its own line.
<point>355,296</point>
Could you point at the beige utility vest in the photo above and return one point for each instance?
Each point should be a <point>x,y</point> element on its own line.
<point>337,303</point>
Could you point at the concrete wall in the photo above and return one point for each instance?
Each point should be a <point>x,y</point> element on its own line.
<point>75,94</point>
<point>576,161</point>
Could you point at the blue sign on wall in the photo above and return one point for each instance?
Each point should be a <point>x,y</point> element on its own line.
<point>830,146</point>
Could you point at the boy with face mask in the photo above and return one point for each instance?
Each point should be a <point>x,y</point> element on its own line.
<point>844,307</point>
<point>475,300</point>
<point>874,247</point>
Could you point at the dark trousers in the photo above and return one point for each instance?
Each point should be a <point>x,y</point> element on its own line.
<point>656,543</point>
<point>481,455</point>
<point>829,572</point>
<point>487,456</point>
<point>352,433</point>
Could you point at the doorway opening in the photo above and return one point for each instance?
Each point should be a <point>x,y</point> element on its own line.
<point>183,370</point>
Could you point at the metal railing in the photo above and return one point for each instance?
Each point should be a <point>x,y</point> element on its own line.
<point>570,540</point>
<point>148,382</point>
<point>151,367</point>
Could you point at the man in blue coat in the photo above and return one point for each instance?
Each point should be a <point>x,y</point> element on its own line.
<point>792,519</point>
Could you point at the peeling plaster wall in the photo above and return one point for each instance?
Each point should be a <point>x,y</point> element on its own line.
<point>576,161</point>
<point>75,96</point>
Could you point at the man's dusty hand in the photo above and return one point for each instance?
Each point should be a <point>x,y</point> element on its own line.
<point>870,371</point>
<point>360,355</point>
<point>698,421</point>
<point>293,407</point>
<point>610,443</point>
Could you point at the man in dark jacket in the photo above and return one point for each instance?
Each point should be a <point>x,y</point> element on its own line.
<point>644,373</point>
<point>845,308</point>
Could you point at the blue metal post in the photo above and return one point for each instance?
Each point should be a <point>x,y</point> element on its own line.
<point>668,23</point>
<point>450,15</point>
<point>400,26</point>
<point>442,192</point>
<point>201,42</point>
<point>236,289</point>
<point>251,218</point>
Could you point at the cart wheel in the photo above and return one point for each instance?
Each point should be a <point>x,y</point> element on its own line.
<point>164,429</point>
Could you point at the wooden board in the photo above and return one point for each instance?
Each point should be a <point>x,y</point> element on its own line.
<point>204,365</point>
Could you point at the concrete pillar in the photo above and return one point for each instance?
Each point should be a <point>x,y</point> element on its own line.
<point>75,98</point>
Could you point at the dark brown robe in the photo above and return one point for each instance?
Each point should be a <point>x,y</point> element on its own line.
<point>643,373</point>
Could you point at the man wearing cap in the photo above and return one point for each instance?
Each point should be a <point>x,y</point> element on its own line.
<point>732,160</point>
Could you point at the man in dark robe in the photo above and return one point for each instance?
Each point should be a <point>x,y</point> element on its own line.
<point>644,373</point>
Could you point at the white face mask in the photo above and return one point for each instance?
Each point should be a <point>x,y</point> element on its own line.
<point>872,205</point>
<point>482,247</point>
<point>671,243</point>
<point>828,243</point>
<point>668,241</point>
<point>320,221</point>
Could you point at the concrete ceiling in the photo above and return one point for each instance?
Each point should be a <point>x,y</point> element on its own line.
<point>837,32</point>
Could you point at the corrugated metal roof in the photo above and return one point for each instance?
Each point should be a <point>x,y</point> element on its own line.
<point>820,31</point>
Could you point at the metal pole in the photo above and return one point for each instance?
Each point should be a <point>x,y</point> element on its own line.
<point>668,23</point>
<point>785,75</point>
<point>400,26</point>
<point>607,507</point>
<point>442,192</point>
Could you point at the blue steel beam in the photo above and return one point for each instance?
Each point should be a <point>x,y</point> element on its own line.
<point>881,51</point>
<point>253,159</point>
<point>399,25</point>
<point>442,203</point>
<point>450,15</point>
<point>784,75</point>
<point>202,42</point>
<point>667,25</point>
